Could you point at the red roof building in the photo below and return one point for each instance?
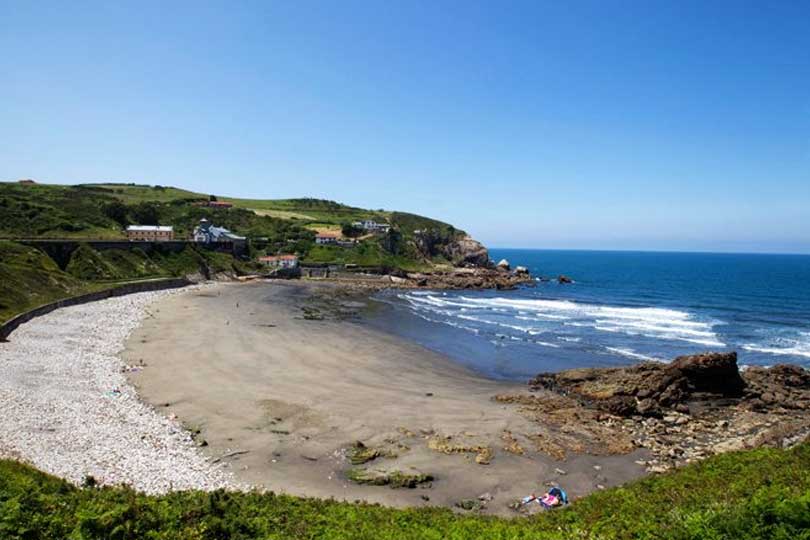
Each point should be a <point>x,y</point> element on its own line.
<point>214,204</point>
<point>280,261</point>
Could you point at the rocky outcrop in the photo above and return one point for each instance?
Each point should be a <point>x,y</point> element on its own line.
<point>711,372</point>
<point>786,386</point>
<point>466,251</point>
<point>649,389</point>
<point>467,278</point>
<point>681,412</point>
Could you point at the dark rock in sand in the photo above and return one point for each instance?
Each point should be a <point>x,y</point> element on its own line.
<point>711,372</point>
<point>393,479</point>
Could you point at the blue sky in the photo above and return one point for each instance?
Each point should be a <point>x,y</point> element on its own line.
<point>604,125</point>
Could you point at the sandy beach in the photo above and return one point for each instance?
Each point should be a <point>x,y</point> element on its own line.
<point>280,392</point>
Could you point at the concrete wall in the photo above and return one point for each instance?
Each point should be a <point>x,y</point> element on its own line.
<point>142,286</point>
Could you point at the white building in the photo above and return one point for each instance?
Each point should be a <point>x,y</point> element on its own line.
<point>280,261</point>
<point>371,225</point>
<point>150,233</point>
<point>327,237</point>
<point>207,233</point>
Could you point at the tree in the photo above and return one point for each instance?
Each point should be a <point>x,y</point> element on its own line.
<point>146,213</point>
<point>118,212</point>
<point>350,230</point>
<point>392,241</point>
<point>212,198</point>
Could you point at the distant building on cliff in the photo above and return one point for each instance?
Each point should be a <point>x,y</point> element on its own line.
<point>150,233</point>
<point>214,204</point>
<point>327,237</point>
<point>207,233</point>
<point>280,261</point>
<point>371,226</point>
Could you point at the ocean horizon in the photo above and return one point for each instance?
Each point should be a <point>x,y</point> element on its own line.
<point>683,251</point>
<point>622,307</point>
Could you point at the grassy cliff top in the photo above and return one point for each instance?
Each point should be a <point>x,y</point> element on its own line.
<point>52,210</point>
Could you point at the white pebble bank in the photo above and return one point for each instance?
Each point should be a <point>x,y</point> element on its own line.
<point>67,408</point>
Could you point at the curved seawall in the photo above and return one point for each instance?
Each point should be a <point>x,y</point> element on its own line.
<point>141,286</point>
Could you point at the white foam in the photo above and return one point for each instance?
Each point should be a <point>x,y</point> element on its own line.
<point>797,349</point>
<point>653,322</point>
<point>547,344</point>
<point>630,353</point>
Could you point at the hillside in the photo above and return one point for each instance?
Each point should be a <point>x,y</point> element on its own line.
<point>30,278</point>
<point>102,211</point>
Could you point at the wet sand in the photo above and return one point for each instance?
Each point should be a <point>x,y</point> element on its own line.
<point>280,398</point>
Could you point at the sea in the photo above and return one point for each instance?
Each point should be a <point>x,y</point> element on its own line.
<point>622,308</point>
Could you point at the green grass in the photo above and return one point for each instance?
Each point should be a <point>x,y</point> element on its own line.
<point>747,495</point>
<point>138,193</point>
<point>316,210</point>
<point>115,264</point>
<point>367,254</point>
<point>29,278</point>
<point>55,212</point>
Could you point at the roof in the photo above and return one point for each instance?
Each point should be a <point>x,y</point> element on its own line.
<point>271,258</point>
<point>329,234</point>
<point>151,228</point>
<point>215,204</point>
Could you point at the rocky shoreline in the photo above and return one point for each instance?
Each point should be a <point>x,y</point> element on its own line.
<point>689,409</point>
<point>454,278</point>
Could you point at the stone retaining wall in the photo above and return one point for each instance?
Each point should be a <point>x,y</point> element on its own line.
<point>141,286</point>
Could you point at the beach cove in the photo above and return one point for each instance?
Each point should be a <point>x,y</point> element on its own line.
<point>281,383</point>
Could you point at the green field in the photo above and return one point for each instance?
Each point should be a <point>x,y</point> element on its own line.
<point>756,494</point>
<point>305,209</point>
<point>137,193</point>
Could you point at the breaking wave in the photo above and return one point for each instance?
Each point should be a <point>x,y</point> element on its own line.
<point>797,346</point>
<point>535,316</point>
<point>630,353</point>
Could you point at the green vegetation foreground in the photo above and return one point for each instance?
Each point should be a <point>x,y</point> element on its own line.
<point>762,493</point>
